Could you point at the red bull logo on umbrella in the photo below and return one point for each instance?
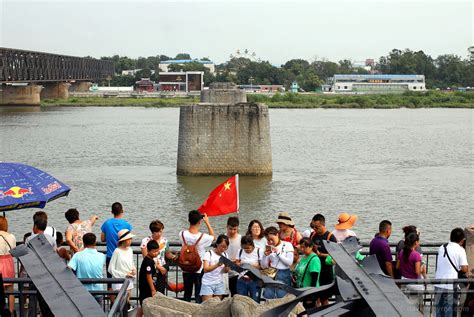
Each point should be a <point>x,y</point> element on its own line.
<point>16,192</point>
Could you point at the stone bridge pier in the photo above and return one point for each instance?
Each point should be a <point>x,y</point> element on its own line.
<point>80,86</point>
<point>20,95</point>
<point>55,90</point>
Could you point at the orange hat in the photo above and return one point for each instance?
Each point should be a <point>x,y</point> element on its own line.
<point>345,221</point>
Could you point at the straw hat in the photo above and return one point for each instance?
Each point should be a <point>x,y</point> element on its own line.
<point>124,234</point>
<point>345,221</point>
<point>284,218</point>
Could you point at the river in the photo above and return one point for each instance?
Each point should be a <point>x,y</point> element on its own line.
<point>408,166</point>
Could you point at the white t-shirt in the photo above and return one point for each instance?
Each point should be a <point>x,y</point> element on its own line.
<point>163,248</point>
<point>260,243</point>
<point>234,247</point>
<point>50,239</point>
<point>215,276</point>
<point>191,239</point>
<point>343,234</point>
<point>281,258</point>
<point>7,243</point>
<point>444,269</point>
<point>254,258</point>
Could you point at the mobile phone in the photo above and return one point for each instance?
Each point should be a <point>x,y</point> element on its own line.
<point>268,247</point>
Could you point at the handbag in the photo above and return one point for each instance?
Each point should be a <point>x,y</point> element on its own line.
<point>270,272</point>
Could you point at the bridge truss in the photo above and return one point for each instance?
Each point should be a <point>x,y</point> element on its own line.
<point>28,66</point>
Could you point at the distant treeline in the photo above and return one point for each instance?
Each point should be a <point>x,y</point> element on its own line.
<point>441,72</point>
<point>430,99</point>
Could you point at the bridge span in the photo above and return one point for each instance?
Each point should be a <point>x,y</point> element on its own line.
<point>26,77</point>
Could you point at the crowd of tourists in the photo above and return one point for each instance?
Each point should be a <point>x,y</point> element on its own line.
<point>298,259</point>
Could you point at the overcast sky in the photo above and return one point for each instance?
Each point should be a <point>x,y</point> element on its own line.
<point>275,30</point>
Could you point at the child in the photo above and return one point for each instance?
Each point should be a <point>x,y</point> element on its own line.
<point>251,255</point>
<point>62,251</point>
<point>147,272</point>
<point>156,228</point>
<point>121,263</point>
<point>213,280</point>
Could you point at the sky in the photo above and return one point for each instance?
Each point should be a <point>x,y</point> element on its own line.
<point>276,31</point>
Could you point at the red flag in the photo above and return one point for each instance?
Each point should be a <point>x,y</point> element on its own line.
<point>224,199</point>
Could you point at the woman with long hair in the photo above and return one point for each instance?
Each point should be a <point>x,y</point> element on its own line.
<point>256,231</point>
<point>409,264</point>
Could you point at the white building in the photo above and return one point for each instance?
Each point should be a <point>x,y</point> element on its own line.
<point>133,72</point>
<point>164,65</point>
<point>366,84</point>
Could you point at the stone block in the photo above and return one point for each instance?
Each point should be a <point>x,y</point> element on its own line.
<point>224,139</point>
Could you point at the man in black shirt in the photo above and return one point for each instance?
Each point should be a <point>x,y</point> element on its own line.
<point>147,273</point>
<point>318,235</point>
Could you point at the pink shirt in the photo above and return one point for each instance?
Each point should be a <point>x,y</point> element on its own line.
<point>407,268</point>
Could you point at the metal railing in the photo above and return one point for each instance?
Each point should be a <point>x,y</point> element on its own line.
<point>28,301</point>
<point>430,254</point>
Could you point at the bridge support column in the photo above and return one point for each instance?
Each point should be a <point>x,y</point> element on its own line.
<point>20,95</point>
<point>57,90</point>
<point>81,86</point>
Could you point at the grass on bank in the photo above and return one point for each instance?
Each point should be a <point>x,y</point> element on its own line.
<point>120,102</point>
<point>430,99</point>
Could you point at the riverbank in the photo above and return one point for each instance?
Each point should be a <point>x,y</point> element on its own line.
<point>431,99</point>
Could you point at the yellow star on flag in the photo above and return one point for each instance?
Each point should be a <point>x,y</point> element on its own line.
<point>227,186</point>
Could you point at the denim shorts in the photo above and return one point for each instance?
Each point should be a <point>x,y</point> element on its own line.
<point>213,289</point>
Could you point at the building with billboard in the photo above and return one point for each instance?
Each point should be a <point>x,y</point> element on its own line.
<point>366,84</point>
<point>181,81</point>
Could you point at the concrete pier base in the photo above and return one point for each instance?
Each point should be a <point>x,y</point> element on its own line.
<point>20,95</point>
<point>55,91</point>
<point>224,139</point>
<point>80,86</point>
<point>223,93</point>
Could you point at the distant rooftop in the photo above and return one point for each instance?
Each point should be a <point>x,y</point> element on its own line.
<point>184,61</point>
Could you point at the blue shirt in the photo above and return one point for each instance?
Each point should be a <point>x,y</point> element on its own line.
<point>111,227</point>
<point>89,263</point>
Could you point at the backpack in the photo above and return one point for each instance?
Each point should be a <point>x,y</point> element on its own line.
<point>189,259</point>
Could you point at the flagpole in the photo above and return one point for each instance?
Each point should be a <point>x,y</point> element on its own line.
<point>237,188</point>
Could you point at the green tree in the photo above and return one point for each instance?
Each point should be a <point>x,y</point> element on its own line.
<point>182,56</point>
<point>451,70</point>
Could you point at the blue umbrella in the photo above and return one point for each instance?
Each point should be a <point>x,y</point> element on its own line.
<point>24,186</point>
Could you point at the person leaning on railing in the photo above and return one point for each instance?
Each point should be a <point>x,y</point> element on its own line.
<point>409,263</point>
<point>452,262</point>
<point>7,269</point>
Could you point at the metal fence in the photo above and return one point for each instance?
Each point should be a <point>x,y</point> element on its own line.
<point>430,255</point>
<point>27,296</point>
